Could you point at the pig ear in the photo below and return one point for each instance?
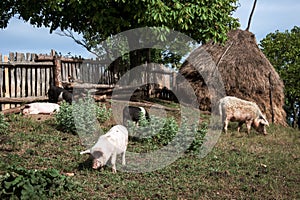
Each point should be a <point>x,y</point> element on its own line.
<point>86,151</point>
<point>97,154</point>
<point>263,121</point>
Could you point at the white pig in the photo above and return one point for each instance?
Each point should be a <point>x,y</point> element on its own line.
<point>108,146</point>
<point>40,108</point>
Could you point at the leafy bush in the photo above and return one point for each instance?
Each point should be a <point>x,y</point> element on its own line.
<point>198,139</point>
<point>21,183</point>
<point>64,118</point>
<point>86,113</point>
<point>161,131</point>
<point>3,124</point>
<point>102,113</point>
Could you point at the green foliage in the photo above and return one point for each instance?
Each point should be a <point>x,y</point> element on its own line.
<point>160,132</point>
<point>103,114</point>
<point>198,139</point>
<point>283,51</point>
<point>20,183</point>
<point>82,116</point>
<point>3,124</point>
<point>201,20</point>
<point>64,118</point>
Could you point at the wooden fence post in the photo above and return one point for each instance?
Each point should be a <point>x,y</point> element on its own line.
<point>6,76</point>
<point>57,72</point>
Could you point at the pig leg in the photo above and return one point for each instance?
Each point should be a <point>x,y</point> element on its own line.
<point>240,126</point>
<point>248,124</point>
<point>225,125</point>
<point>113,162</point>
<point>123,158</point>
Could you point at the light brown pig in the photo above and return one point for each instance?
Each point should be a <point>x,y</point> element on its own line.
<point>242,111</point>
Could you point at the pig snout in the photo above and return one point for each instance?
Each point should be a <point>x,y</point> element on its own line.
<point>96,164</point>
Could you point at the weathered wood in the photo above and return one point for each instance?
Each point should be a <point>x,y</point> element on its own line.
<point>33,82</point>
<point>28,57</point>
<point>89,85</point>
<point>22,99</point>
<point>43,82</point>
<point>18,82</point>
<point>57,73</point>
<point>15,110</point>
<point>145,104</point>
<point>6,83</point>
<point>38,82</point>
<point>12,64</point>
<point>11,57</point>
<point>101,98</point>
<point>29,82</point>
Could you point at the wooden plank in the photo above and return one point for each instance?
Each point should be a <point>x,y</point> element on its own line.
<point>22,99</point>
<point>82,72</point>
<point>38,83</point>
<point>43,82</point>
<point>1,81</point>
<point>34,82</point>
<point>47,79</point>
<point>29,77</point>
<point>29,81</point>
<point>23,81</point>
<point>18,81</point>
<point>77,71</point>
<point>69,71</point>
<point>74,65</point>
<point>63,71</point>
<point>11,57</point>
<point>15,110</point>
<point>15,63</point>
<point>28,57</point>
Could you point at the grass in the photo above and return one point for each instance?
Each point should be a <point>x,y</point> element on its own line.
<point>240,166</point>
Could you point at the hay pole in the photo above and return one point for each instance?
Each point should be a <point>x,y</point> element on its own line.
<point>271,96</point>
<point>224,54</point>
<point>251,14</point>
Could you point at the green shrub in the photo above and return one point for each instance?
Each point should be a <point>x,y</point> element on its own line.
<point>64,118</point>
<point>20,183</point>
<point>3,124</point>
<point>86,114</point>
<point>198,138</point>
<point>160,132</point>
<point>102,113</point>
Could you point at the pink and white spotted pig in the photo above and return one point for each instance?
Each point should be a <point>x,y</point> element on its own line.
<point>40,108</point>
<point>108,146</point>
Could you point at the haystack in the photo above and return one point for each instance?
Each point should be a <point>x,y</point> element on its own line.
<point>245,71</point>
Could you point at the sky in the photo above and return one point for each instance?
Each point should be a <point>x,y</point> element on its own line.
<point>269,16</point>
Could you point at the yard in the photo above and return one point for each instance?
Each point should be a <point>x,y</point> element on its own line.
<point>239,166</point>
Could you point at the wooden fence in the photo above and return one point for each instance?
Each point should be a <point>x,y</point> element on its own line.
<point>27,77</point>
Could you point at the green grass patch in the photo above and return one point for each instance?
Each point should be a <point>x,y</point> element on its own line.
<point>240,166</point>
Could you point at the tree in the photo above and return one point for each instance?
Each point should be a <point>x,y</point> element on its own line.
<point>97,20</point>
<point>283,51</point>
